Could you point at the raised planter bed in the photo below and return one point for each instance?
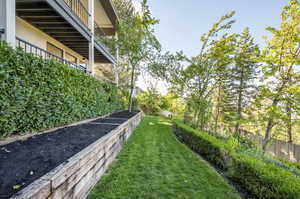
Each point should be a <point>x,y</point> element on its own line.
<point>65,163</point>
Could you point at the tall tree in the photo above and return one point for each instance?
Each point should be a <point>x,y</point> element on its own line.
<point>200,75</point>
<point>243,74</point>
<point>280,56</point>
<point>221,54</point>
<point>136,41</point>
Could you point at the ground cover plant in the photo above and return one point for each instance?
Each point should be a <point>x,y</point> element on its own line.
<point>38,94</point>
<point>261,176</point>
<point>153,164</point>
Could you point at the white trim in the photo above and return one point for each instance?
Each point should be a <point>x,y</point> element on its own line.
<point>8,20</point>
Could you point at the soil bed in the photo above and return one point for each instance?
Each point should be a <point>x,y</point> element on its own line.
<point>23,162</point>
<point>110,121</point>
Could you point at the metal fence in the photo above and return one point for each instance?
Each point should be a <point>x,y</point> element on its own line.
<point>79,10</point>
<point>101,36</point>
<point>37,51</point>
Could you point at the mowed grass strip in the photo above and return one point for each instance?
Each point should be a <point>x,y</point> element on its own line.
<point>154,165</point>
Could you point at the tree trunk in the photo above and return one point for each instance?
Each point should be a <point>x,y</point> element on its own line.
<point>267,135</point>
<point>116,73</point>
<point>239,105</point>
<point>218,110</point>
<point>289,123</point>
<point>201,121</point>
<point>275,102</point>
<point>132,84</point>
<point>194,121</point>
<point>270,125</point>
<point>198,118</point>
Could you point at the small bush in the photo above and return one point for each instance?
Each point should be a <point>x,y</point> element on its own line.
<point>261,178</point>
<point>37,94</point>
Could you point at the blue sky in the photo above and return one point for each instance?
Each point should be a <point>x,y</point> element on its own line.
<point>182,22</point>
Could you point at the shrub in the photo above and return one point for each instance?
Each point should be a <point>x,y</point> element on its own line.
<point>39,94</point>
<point>206,145</point>
<point>151,102</point>
<point>261,178</point>
<point>264,180</point>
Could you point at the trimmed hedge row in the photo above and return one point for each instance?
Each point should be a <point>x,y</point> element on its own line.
<point>38,94</point>
<point>260,178</point>
<point>215,151</point>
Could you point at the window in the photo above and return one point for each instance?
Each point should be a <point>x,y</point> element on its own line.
<point>55,50</point>
<point>70,58</point>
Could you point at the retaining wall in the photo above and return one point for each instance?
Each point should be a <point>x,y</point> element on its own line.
<point>79,174</point>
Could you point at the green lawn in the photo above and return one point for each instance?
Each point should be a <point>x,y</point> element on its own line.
<point>154,165</point>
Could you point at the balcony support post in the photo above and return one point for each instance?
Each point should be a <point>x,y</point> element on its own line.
<point>92,41</point>
<point>8,21</point>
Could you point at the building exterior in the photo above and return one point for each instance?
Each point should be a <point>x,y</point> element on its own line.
<point>70,31</point>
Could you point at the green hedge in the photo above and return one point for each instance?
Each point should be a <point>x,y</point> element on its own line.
<point>38,94</point>
<point>263,179</point>
<point>260,178</point>
<point>206,145</point>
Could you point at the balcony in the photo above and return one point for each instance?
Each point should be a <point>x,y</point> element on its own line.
<point>102,37</point>
<point>67,22</point>
<point>35,50</point>
<point>80,10</point>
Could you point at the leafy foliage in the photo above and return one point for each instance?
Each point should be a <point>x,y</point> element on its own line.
<point>240,82</point>
<point>198,80</point>
<point>281,58</point>
<point>135,43</point>
<point>153,103</point>
<point>38,94</point>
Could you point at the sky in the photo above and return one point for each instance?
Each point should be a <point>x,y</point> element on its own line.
<point>182,22</point>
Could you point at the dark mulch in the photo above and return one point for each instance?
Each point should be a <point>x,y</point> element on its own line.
<point>22,162</point>
<point>124,114</point>
<point>111,121</point>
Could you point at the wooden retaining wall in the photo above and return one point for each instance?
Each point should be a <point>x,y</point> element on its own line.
<point>78,175</point>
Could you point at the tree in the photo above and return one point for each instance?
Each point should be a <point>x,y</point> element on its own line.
<point>200,76</point>
<point>167,67</point>
<point>242,75</point>
<point>135,42</point>
<point>280,58</point>
<point>150,101</point>
<point>221,53</point>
